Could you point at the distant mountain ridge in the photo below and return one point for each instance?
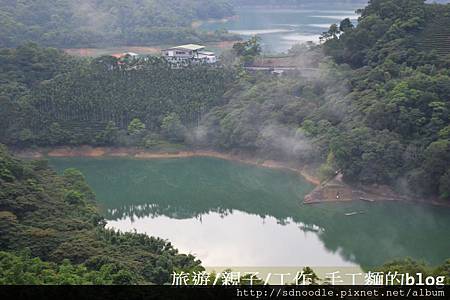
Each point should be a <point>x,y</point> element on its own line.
<point>65,23</point>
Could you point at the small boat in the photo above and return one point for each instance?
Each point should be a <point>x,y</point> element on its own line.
<point>365,199</point>
<point>354,213</point>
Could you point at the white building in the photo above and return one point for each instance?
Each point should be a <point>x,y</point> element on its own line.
<point>208,56</point>
<point>190,52</point>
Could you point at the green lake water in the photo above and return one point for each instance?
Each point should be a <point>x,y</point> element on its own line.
<point>232,214</point>
<point>282,27</point>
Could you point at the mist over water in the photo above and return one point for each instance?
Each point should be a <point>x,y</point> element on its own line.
<point>280,28</point>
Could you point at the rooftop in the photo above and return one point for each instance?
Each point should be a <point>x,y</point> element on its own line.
<point>192,47</point>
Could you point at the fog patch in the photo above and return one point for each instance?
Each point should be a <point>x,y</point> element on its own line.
<point>290,142</point>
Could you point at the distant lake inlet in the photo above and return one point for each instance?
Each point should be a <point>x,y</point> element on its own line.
<point>281,28</point>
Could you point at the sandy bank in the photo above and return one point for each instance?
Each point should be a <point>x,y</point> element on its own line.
<point>336,190</point>
<point>87,151</point>
<point>331,191</point>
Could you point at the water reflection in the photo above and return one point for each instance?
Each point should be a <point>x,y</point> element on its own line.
<point>239,239</point>
<point>229,213</point>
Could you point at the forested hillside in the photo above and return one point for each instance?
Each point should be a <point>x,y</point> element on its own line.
<point>52,233</point>
<point>378,110</point>
<point>21,70</point>
<point>378,113</point>
<point>95,23</point>
<point>436,35</point>
<point>399,130</point>
<point>56,219</point>
<point>48,98</point>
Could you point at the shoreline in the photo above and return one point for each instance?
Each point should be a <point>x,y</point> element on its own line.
<point>138,153</point>
<point>320,194</point>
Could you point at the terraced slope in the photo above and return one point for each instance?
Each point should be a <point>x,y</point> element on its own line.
<point>436,35</point>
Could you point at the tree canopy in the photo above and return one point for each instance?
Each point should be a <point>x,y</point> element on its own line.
<point>396,132</point>
<point>57,220</point>
<point>376,110</point>
<point>65,23</point>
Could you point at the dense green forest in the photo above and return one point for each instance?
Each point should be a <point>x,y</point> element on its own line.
<point>51,233</point>
<point>378,111</point>
<point>48,98</point>
<point>399,96</point>
<point>96,22</point>
<point>56,219</point>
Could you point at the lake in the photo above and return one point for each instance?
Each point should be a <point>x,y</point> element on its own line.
<point>281,28</point>
<point>232,214</point>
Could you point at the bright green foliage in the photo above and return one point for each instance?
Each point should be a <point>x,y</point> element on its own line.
<point>136,127</point>
<point>73,197</point>
<point>413,267</point>
<point>22,269</point>
<point>56,218</point>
